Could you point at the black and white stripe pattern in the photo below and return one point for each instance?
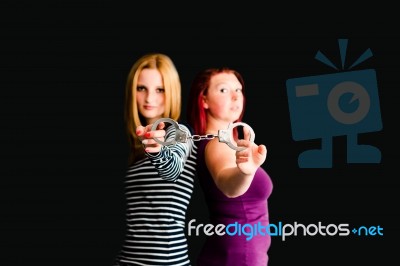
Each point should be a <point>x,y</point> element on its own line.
<point>158,190</point>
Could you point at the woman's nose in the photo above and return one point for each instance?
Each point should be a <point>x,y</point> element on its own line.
<point>235,95</point>
<point>149,96</point>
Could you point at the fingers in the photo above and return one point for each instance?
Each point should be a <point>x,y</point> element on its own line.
<point>259,151</point>
<point>140,131</point>
<point>150,145</point>
<point>243,155</point>
<point>154,149</point>
<point>161,125</point>
<point>146,132</point>
<point>242,159</point>
<point>262,150</point>
<point>150,141</point>
<point>243,143</point>
<point>147,136</point>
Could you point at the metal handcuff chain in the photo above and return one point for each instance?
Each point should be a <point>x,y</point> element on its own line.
<point>181,136</point>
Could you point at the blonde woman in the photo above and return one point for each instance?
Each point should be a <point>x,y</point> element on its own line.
<point>159,180</point>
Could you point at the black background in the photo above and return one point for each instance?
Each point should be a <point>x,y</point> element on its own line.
<point>63,148</point>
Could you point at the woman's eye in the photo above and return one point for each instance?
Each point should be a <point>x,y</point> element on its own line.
<point>140,88</point>
<point>223,90</point>
<point>160,90</point>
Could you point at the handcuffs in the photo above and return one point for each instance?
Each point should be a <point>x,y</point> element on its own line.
<point>181,136</point>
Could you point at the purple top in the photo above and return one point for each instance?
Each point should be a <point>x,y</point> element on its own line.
<point>250,208</point>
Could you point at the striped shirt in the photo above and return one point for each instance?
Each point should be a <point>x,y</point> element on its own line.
<point>158,189</point>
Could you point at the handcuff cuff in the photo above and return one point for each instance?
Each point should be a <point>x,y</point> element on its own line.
<point>181,136</point>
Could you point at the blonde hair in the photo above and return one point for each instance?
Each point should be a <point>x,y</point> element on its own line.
<point>172,87</point>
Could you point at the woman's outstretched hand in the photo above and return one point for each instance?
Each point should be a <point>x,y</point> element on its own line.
<point>249,159</point>
<point>146,136</point>
<point>252,157</point>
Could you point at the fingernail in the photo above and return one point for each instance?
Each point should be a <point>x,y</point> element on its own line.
<point>138,131</point>
<point>147,135</point>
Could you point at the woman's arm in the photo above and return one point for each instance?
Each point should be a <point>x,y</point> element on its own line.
<point>170,161</point>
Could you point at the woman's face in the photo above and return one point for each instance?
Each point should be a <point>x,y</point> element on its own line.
<point>150,96</point>
<point>224,99</point>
